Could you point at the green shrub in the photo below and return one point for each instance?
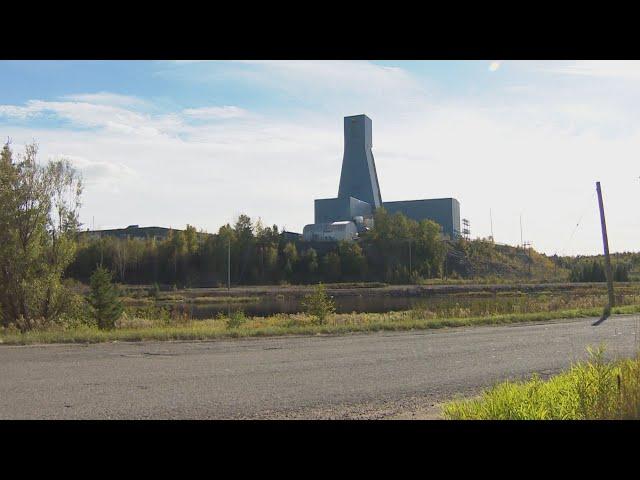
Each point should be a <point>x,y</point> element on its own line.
<point>150,312</point>
<point>319,305</point>
<point>104,299</point>
<point>236,319</point>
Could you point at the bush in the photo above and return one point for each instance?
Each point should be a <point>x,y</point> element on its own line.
<point>77,313</point>
<point>150,312</point>
<point>104,299</point>
<point>318,304</point>
<point>236,319</point>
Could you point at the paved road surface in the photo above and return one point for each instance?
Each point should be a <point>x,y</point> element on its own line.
<point>380,375</point>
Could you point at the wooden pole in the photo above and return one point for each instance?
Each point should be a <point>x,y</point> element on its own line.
<point>229,278</point>
<point>605,241</point>
<point>229,265</point>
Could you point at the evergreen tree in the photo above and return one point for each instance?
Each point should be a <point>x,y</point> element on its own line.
<point>104,300</point>
<point>352,261</point>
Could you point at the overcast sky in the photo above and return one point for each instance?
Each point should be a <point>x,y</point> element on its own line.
<point>169,143</point>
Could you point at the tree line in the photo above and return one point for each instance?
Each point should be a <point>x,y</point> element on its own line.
<point>397,250</point>
<point>593,271</point>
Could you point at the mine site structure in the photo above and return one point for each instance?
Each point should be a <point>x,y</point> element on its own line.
<point>347,216</point>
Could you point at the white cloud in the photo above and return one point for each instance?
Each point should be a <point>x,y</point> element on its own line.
<point>215,113</point>
<point>338,85</point>
<point>624,69</point>
<point>342,79</point>
<point>108,117</point>
<point>101,173</point>
<point>107,98</point>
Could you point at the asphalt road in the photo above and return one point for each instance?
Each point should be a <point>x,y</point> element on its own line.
<point>380,375</point>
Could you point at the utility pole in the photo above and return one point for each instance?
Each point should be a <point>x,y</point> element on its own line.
<point>491,220</point>
<point>605,241</point>
<point>410,269</point>
<point>527,248</point>
<point>521,241</point>
<point>229,277</point>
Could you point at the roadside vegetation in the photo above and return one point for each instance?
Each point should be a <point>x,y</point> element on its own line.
<point>591,390</point>
<point>158,323</point>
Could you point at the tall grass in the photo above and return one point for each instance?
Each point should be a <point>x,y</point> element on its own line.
<point>180,327</point>
<point>591,390</point>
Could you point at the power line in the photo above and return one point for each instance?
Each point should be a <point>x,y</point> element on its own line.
<point>584,211</point>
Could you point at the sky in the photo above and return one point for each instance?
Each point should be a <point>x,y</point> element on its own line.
<point>170,143</point>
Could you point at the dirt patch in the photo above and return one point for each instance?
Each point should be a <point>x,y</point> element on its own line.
<point>409,408</point>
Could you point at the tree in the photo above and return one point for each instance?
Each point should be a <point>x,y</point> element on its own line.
<point>290,258</point>
<point>38,223</point>
<point>330,266</point>
<point>104,299</point>
<point>352,261</point>
<point>245,245</point>
<point>398,246</point>
<point>318,304</point>
<point>621,273</point>
<point>310,262</point>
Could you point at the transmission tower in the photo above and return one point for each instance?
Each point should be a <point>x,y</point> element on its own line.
<point>466,231</point>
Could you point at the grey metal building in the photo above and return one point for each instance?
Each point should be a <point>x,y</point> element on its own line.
<point>329,210</point>
<point>445,211</point>
<point>359,191</point>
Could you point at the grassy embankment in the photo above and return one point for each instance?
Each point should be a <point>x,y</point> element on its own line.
<point>592,390</point>
<point>133,328</point>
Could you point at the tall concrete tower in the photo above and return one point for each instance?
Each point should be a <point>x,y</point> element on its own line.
<point>358,177</point>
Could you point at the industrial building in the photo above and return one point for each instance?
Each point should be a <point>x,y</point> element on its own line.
<point>132,231</point>
<point>351,213</point>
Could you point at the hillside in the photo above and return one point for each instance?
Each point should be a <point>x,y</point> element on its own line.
<point>481,258</point>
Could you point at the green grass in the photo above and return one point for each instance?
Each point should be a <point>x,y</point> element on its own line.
<point>592,390</point>
<point>138,329</point>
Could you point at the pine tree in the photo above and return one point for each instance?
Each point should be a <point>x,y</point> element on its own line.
<point>104,300</point>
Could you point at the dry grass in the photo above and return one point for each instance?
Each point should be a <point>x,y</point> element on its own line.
<point>182,328</point>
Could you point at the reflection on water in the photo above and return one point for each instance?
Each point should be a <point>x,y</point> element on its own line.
<point>270,306</point>
<point>484,303</point>
<point>346,304</point>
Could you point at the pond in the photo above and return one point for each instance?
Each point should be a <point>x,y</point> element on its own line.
<point>272,305</point>
<point>443,304</point>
